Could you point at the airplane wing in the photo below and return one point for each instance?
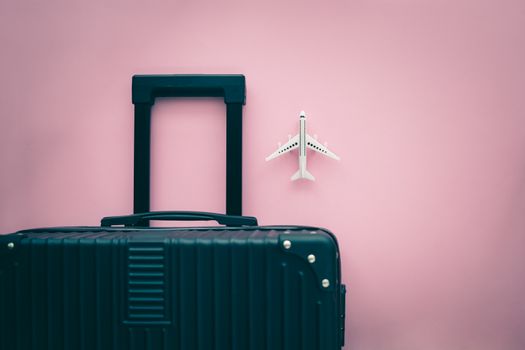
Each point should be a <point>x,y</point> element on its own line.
<point>318,147</point>
<point>292,144</point>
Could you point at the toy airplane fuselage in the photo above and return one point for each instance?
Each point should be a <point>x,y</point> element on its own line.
<point>302,141</point>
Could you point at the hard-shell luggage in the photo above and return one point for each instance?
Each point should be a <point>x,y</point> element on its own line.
<point>125,285</point>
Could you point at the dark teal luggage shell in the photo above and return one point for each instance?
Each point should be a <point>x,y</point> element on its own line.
<point>237,286</point>
<point>162,288</point>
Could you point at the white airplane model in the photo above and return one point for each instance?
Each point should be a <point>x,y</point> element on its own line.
<point>301,141</point>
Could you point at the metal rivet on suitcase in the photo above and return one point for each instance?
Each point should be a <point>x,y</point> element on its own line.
<point>311,258</point>
<point>325,283</point>
<point>10,245</point>
<point>287,244</point>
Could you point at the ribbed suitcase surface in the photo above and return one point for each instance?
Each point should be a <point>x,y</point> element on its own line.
<point>184,288</point>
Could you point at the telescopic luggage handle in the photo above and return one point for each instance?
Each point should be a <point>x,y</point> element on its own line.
<point>137,219</point>
<point>146,88</point>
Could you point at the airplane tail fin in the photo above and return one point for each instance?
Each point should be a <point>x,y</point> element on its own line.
<point>306,175</point>
<point>309,176</point>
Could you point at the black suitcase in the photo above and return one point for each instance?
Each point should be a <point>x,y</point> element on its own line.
<point>238,286</point>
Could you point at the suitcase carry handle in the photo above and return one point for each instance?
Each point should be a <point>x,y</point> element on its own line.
<point>138,219</point>
<point>146,88</point>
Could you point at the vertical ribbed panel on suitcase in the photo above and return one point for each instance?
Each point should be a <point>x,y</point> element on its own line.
<point>194,289</point>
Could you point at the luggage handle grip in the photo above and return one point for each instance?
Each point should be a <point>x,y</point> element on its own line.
<point>145,88</point>
<point>138,219</point>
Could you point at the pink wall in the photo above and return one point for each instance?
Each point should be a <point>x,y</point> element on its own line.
<point>423,100</point>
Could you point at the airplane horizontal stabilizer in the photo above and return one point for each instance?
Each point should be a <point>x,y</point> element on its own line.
<point>306,175</point>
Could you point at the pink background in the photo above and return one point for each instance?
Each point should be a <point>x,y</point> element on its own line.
<point>423,100</point>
